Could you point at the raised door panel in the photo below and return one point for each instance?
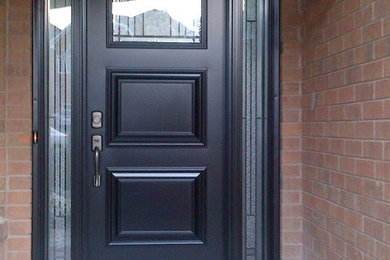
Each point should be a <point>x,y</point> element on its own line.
<point>157,107</point>
<point>156,206</point>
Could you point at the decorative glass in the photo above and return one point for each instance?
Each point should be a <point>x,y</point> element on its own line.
<point>59,129</point>
<point>158,21</point>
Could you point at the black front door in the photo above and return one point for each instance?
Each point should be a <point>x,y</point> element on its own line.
<point>156,178</point>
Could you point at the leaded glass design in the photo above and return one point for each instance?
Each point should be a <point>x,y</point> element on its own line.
<point>252,129</point>
<point>158,21</point>
<point>59,129</point>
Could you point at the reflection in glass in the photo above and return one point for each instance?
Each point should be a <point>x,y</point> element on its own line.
<point>59,129</point>
<point>156,21</point>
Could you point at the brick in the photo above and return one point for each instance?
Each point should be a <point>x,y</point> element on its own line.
<point>351,6</point>
<point>290,60</point>
<point>331,32</point>
<point>363,16</point>
<point>381,8</point>
<point>346,94</point>
<point>382,211</point>
<point>364,130</point>
<point>372,31</point>
<point>346,129</point>
<point>353,147</point>
<point>364,92</point>
<point>290,88</point>
<point>345,59</point>
<point>19,212</point>
<point>354,220</point>
<point>19,255</point>
<point>336,12</point>
<point>337,244</point>
<point>366,244</point>
<point>387,195</point>
<point>365,168</point>
<point>386,108</point>
<point>386,26</point>
<point>353,75</point>
<point>19,183</point>
<point>382,130</point>
<point>19,243</point>
<point>373,189</point>
<point>347,164</point>
<point>382,48</point>
<point>18,97</point>
<point>353,111</point>
<point>321,51</point>
<point>386,67</point>
<point>373,150</point>
<point>354,38</point>
<point>18,125</point>
<point>382,171</point>
<point>364,53</point>
<point>373,71</point>
<point>382,89</point>
<point>353,253</point>
<point>387,150</point>
<point>19,168</point>
<point>346,24</point>
<point>373,110</point>
<point>291,74</point>
<point>20,228</point>
<point>364,205</point>
<point>382,250</point>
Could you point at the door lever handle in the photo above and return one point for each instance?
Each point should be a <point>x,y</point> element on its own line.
<point>96,148</point>
<point>97,176</point>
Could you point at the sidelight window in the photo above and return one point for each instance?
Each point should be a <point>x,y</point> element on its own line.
<point>58,89</point>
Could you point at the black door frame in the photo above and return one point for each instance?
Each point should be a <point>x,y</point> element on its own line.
<point>270,198</point>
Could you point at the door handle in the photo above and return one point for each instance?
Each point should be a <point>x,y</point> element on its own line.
<point>97,176</point>
<point>96,148</point>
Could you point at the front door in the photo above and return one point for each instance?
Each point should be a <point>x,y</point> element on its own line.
<point>156,169</point>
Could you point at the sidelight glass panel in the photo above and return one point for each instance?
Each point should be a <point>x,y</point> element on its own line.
<point>253,118</point>
<point>170,21</point>
<point>59,129</point>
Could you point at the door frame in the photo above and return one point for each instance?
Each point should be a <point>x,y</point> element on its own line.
<point>269,210</point>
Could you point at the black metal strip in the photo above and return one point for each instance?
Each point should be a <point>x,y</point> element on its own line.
<point>79,14</point>
<point>39,194</point>
<point>271,179</point>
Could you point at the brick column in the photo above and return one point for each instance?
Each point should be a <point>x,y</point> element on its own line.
<point>3,227</point>
<point>17,129</point>
<point>291,130</point>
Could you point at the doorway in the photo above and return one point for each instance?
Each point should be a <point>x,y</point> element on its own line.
<point>146,106</point>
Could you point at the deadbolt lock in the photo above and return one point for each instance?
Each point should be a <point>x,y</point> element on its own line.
<point>97,119</point>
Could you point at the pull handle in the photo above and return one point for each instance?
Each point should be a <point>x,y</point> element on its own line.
<point>97,176</point>
<point>97,146</point>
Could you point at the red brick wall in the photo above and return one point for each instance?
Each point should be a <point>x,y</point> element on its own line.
<point>291,130</point>
<point>15,129</point>
<point>3,227</point>
<point>346,136</point>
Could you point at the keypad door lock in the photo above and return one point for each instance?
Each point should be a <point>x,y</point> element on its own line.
<point>97,119</point>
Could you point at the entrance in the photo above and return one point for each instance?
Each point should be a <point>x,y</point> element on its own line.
<point>141,143</point>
